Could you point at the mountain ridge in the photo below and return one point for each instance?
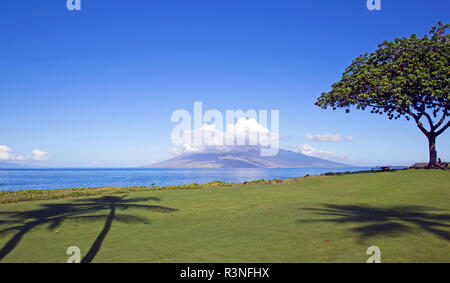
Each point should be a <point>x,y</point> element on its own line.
<point>245,159</point>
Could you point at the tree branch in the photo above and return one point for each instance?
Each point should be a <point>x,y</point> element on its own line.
<point>443,128</point>
<point>430,121</point>
<point>444,115</point>
<point>419,124</point>
<point>421,110</point>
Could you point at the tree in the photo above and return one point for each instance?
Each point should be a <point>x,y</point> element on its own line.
<point>406,77</point>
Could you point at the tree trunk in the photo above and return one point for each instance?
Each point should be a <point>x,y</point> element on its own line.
<point>432,148</point>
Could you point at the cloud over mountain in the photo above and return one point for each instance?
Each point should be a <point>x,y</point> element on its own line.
<point>244,134</point>
<point>309,150</point>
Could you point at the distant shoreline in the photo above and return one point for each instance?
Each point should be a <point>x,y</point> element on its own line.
<point>191,168</point>
<point>67,178</point>
<point>65,193</point>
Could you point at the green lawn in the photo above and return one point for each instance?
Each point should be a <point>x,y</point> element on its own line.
<point>315,219</point>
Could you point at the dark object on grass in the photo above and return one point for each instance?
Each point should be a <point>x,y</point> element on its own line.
<point>442,165</point>
<point>420,165</point>
<point>382,168</point>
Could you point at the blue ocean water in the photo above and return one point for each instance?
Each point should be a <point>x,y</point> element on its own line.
<point>26,179</point>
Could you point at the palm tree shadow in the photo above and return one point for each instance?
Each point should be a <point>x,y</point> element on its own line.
<point>390,221</point>
<point>54,215</point>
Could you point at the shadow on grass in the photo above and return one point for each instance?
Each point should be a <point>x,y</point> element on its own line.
<point>82,209</point>
<point>391,221</point>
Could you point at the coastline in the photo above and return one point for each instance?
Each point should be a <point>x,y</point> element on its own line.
<point>69,193</point>
<point>50,179</point>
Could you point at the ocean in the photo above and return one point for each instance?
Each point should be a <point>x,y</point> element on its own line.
<point>27,179</point>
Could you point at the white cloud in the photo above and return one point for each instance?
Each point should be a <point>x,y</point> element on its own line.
<point>309,150</point>
<point>40,155</point>
<point>328,138</point>
<point>6,153</point>
<point>245,133</point>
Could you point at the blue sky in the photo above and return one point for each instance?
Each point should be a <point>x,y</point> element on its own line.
<point>97,87</point>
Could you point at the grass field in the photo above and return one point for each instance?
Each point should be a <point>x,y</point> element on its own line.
<point>314,219</point>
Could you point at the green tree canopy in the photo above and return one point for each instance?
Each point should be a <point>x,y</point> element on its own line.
<point>406,77</point>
